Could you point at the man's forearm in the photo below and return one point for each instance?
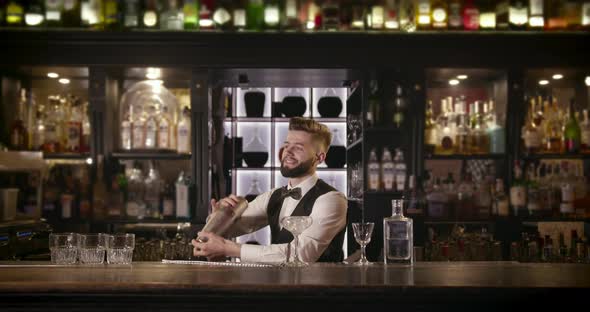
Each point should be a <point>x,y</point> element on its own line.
<point>232,249</point>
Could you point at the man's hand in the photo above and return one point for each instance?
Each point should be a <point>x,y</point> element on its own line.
<point>215,247</point>
<point>231,200</point>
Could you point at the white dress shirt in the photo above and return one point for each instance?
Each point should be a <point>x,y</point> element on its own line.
<point>328,215</point>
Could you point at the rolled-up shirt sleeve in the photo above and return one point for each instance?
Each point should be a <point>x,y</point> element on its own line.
<point>329,218</point>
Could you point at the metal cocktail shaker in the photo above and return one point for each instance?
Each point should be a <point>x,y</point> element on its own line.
<point>223,218</point>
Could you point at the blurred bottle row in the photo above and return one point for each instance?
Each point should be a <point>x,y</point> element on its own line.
<point>58,125</point>
<point>69,193</point>
<point>538,248</point>
<point>462,245</point>
<point>299,15</point>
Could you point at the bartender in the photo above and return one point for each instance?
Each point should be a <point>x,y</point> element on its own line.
<point>305,194</point>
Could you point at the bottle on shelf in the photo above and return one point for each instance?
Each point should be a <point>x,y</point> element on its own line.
<point>18,132</point>
<point>168,199</point>
<point>387,170</point>
<point>373,114</point>
<point>555,16</point>
<point>166,137</point>
<point>130,12</point>
<point>455,14</point>
<point>480,143</point>
<point>487,15</point>
<point>407,17</point>
<point>439,15</point>
<point>400,170</point>
<point>572,132</point>
<point>464,207</point>
<point>182,196</point>
<point>533,195</point>
<point>255,15</point>
<point>566,208</point>
<point>531,134</point>
<point>430,131</point>
<point>222,15</point>
<point>290,21</point>
<point>423,14</point>
<point>150,16</point>
<point>34,13</point>
<point>437,202</point>
<point>391,15</point>
<point>518,195</point>
<point>573,15</point>
<point>116,200</point>
<point>502,13</point>
<point>183,135</point>
<point>86,130</point>
<point>518,15</point>
<point>74,127</point>
<point>111,14</point>
<point>415,199</point>
<point>536,15</point>
<point>205,11</point>
<point>399,107</point>
<point>172,17</point>
<point>331,15</point>
<point>398,236</point>
<point>135,205</point>
<point>501,204</point>
<point>153,192</point>
<point>190,9</point>
<point>373,171</point>
<point>470,15</point>
<point>463,137</point>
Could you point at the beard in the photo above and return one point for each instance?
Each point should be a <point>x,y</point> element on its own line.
<point>301,170</point>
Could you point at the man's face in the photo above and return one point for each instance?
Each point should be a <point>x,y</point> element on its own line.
<point>299,155</point>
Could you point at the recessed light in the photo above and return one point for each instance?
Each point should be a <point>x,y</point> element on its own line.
<point>462,77</point>
<point>52,75</point>
<point>153,73</point>
<point>557,76</point>
<point>453,82</point>
<point>89,160</point>
<point>543,82</point>
<point>64,80</point>
<point>587,81</point>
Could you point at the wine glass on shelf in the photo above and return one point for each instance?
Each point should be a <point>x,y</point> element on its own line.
<point>296,225</point>
<point>362,235</point>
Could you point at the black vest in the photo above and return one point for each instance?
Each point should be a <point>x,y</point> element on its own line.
<point>333,252</point>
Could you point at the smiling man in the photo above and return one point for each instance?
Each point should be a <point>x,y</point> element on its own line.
<point>305,195</point>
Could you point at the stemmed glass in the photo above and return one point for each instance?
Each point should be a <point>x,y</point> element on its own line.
<point>362,234</point>
<point>296,225</point>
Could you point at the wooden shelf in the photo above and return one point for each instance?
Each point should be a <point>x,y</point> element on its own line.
<point>69,156</point>
<point>384,193</point>
<point>556,156</point>
<point>150,155</point>
<point>465,157</point>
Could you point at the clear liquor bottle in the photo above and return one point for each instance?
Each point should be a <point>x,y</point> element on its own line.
<point>518,192</point>
<point>533,195</point>
<point>518,14</point>
<point>373,171</point>
<point>400,170</point>
<point>151,128</point>
<point>423,14</point>
<point>398,236</point>
<point>501,206</point>
<point>430,131</point>
<point>165,133</point>
<point>172,18</point>
<point>18,131</point>
<point>566,208</point>
<point>131,11</point>
<point>53,9</point>
<point>530,133</point>
<point>463,137</point>
<point>34,13</point>
<point>376,19</point>
<point>536,15</point>
<point>184,133</point>
<point>391,15</point>
<point>153,192</point>
<point>387,170</point>
<point>415,198</point>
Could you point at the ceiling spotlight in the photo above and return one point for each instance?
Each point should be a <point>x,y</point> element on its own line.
<point>462,77</point>
<point>543,82</point>
<point>557,76</point>
<point>587,81</point>
<point>89,160</point>
<point>64,80</point>
<point>52,75</point>
<point>453,82</point>
<point>153,73</point>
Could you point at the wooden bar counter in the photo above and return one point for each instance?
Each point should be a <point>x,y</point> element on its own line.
<point>150,286</point>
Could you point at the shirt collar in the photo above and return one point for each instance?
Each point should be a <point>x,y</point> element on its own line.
<point>306,184</point>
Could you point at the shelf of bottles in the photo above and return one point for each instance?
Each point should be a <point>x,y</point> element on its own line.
<point>296,15</point>
<point>550,180</point>
<point>464,144</point>
<point>256,125</point>
<point>151,173</point>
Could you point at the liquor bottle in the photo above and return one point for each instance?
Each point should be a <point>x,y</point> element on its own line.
<point>563,252</point>
<point>480,143</point>
<point>172,17</point>
<point>464,207</point>
<point>502,19</point>
<point>311,15</point>
<point>239,15</point>
<point>151,128</point>
<point>536,15</point>
<point>501,206</point>
<point>182,196</point>
<point>150,14</point>
<point>190,9</point>
<point>430,131</point>
<point>566,208</point>
<point>586,15</point>
<point>290,20</point>
<point>398,236</point>
<point>518,15</point>
<point>272,14</point>
<point>138,133</point>
<point>573,257</point>
<point>573,15</point>
<point>168,197</point>
<point>518,192</point>
<point>572,132</point>
<point>331,16</point>
<point>99,191</point>
<point>35,13</point>
<point>548,249</point>
<point>130,12</point>
<point>387,170</point>
<point>91,14</point>
<point>222,16</point>
<point>455,14</point>
<point>373,171</point>
<point>555,19</point>
<point>391,15</point>
<point>373,114</point>
<point>53,9</point>
<point>463,137</point>
<point>14,13</point>
<point>496,136</point>
<point>530,133</point>
<point>399,107</point>
<point>358,15</point>
<point>487,15</point>
<point>184,133</point>
<point>407,17</point>
<point>255,15</point>
<point>153,192</point>
<point>165,132</point>
<point>533,195</point>
<point>416,201</point>
<point>376,17</point>
<point>440,14</point>
<point>585,133</point>
<point>438,202</point>
<point>423,13</point>
<point>18,132</point>
<point>470,15</point>
<point>71,13</point>
<point>135,206</point>
<point>74,128</point>
<point>66,198</point>
<point>206,8</point>
<point>400,170</point>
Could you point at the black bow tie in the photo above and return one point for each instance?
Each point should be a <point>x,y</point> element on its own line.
<point>294,193</point>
